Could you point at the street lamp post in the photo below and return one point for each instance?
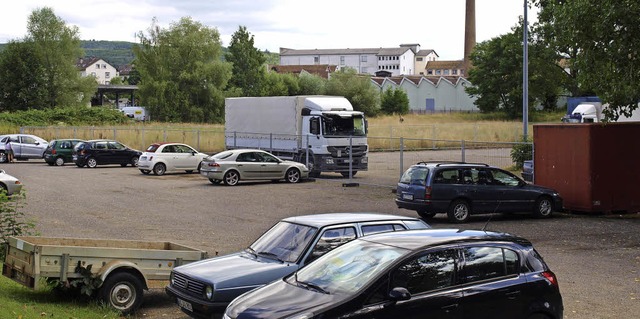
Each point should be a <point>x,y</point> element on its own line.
<point>525,75</point>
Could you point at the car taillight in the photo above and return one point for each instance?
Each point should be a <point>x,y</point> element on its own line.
<point>82,152</point>
<point>214,164</point>
<point>551,277</point>
<point>427,192</point>
<point>53,152</point>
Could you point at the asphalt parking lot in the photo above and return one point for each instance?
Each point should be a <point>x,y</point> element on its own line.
<point>596,258</point>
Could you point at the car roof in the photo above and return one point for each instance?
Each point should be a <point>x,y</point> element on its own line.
<point>416,239</point>
<point>322,220</point>
<point>451,164</point>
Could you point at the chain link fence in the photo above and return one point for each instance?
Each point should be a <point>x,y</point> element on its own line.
<point>388,156</point>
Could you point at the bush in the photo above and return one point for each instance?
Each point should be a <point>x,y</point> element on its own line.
<point>522,152</point>
<point>12,222</point>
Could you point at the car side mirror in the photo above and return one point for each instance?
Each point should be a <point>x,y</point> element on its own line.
<point>399,294</point>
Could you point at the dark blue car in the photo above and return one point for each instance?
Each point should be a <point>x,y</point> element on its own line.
<point>463,189</point>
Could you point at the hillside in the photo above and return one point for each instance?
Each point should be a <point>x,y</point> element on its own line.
<point>119,53</point>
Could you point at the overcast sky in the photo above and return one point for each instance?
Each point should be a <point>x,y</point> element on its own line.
<point>296,24</point>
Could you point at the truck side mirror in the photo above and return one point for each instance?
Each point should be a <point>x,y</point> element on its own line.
<point>314,125</point>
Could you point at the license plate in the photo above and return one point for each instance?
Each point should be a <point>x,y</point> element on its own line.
<point>185,305</point>
<point>407,196</point>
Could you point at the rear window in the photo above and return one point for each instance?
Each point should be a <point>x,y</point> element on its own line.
<point>223,155</point>
<point>152,147</point>
<point>415,175</point>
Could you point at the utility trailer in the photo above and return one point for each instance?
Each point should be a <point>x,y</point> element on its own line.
<point>125,267</point>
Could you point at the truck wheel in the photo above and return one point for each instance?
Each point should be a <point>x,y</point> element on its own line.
<point>346,174</point>
<point>292,175</point>
<point>91,162</point>
<point>231,178</point>
<point>159,169</point>
<point>459,211</point>
<point>59,161</point>
<point>543,207</point>
<point>122,291</point>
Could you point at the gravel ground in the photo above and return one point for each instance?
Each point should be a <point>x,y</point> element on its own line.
<point>596,257</point>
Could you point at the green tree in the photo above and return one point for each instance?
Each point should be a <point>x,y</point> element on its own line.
<point>248,63</point>
<point>182,75</point>
<point>22,84</point>
<point>601,44</point>
<point>394,101</point>
<point>276,84</point>
<point>40,71</point>
<point>58,48</point>
<point>357,89</point>
<point>497,75</point>
<point>311,84</point>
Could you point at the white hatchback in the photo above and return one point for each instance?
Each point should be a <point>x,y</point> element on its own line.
<point>9,184</point>
<point>160,158</point>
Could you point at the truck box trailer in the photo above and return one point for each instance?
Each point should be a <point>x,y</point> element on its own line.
<point>323,132</point>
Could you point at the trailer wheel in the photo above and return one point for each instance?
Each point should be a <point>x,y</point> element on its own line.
<point>122,291</point>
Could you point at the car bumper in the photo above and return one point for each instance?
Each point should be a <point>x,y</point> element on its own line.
<point>423,205</point>
<point>145,165</point>
<point>212,174</point>
<point>199,308</point>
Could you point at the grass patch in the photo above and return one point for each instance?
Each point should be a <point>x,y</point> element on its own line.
<point>17,301</point>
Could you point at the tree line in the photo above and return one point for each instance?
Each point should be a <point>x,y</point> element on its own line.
<point>184,74</point>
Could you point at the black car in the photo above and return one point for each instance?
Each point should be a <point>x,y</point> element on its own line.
<point>442,273</point>
<point>100,152</point>
<point>59,152</point>
<point>462,189</point>
<point>204,288</point>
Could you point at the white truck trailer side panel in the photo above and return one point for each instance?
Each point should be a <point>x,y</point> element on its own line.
<point>276,115</point>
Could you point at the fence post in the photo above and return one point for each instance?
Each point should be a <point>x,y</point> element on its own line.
<point>235,137</point>
<point>306,147</point>
<point>198,139</point>
<point>433,136</point>
<point>115,134</point>
<point>271,142</point>
<point>142,136</point>
<point>164,135</point>
<point>401,156</point>
<point>462,147</point>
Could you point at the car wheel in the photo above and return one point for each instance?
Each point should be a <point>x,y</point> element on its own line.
<point>3,188</point>
<point>122,291</point>
<point>145,171</point>
<point>231,178</point>
<point>459,211</point>
<point>214,181</point>
<point>91,162</point>
<point>159,169</point>
<point>59,161</point>
<point>543,207</point>
<point>3,157</point>
<point>292,175</point>
<point>425,215</point>
<point>134,161</point>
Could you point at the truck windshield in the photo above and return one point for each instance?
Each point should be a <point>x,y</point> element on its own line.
<point>334,125</point>
<point>285,241</point>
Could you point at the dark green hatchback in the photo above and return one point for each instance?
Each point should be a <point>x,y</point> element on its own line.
<point>59,151</point>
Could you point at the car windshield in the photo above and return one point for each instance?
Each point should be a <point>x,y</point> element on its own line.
<point>152,148</point>
<point>285,241</point>
<point>349,267</point>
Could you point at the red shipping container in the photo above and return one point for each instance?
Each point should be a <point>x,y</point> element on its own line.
<point>595,167</point>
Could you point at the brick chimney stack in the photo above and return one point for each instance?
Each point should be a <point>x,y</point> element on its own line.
<point>469,33</point>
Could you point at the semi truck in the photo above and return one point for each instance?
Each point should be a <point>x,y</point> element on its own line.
<point>322,132</point>
<point>592,112</point>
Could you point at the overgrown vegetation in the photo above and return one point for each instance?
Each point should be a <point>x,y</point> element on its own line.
<point>522,152</point>
<point>62,116</point>
<point>12,219</point>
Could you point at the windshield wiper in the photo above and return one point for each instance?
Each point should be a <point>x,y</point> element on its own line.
<point>311,285</point>
<point>270,254</point>
<point>251,251</point>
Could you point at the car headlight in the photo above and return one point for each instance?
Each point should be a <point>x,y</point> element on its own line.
<point>172,280</point>
<point>208,292</point>
<point>364,160</point>
<point>329,161</point>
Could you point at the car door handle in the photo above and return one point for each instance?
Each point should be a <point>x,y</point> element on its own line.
<point>450,307</point>
<point>512,294</point>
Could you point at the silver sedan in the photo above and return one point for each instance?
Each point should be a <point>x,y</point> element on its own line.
<point>229,167</point>
<point>9,184</point>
